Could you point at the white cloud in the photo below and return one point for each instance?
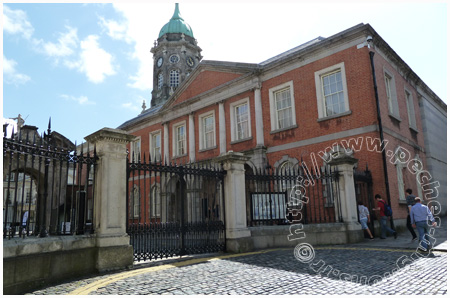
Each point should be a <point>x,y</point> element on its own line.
<point>10,74</point>
<point>95,62</point>
<point>135,106</point>
<point>131,106</point>
<point>12,126</point>
<point>82,100</point>
<point>67,43</point>
<point>143,29</point>
<point>115,30</point>
<point>16,22</point>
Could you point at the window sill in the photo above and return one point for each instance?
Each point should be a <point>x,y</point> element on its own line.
<point>179,156</point>
<point>413,129</point>
<point>241,140</point>
<point>334,116</point>
<point>207,149</point>
<point>395,117</point>
<point>284,129</point>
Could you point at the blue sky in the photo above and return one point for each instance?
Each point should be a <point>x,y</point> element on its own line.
<point>89,66</point>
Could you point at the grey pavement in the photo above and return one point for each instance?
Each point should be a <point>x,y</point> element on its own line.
<point>404,239</point>
<point>371,267</point>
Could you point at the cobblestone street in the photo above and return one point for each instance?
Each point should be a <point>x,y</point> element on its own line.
<point>345,270</point>
<point>387,266</point>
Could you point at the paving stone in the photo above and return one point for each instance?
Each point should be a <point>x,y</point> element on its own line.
<point>279,272</point>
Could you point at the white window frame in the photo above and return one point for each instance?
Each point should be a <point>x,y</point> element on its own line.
<point>155,202</point>
<point>321,105</point>
<point>410,109</point>
<point>160,80</point>
<point>233,120</point>
<point>391,94</point>
<point>135,146</point>
<point>156,157</point>
<point>176,141</point>
<point>202,132</point>
<point>136,201</point>
<point>174,81</point>
<point>273,111</point>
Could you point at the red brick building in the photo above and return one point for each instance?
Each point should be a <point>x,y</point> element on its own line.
<point>291,108</point>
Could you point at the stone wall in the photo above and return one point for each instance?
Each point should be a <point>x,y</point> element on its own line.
<point>33,262</point>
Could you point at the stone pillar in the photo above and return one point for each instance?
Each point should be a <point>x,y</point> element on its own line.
<point>166,142</point>
<point>222,134</point>
<point>259,118</point>
<point>238,236</point>
<point>347,197</point>
<point>191,138</point>
<point>113,244</point>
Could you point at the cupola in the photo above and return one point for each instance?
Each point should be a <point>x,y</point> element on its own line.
<point>176,25</point>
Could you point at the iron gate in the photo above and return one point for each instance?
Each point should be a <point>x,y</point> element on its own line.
<point>363,192</point>
<point>174,210</point>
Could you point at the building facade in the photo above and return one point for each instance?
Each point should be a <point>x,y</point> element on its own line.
<point>294,109</point>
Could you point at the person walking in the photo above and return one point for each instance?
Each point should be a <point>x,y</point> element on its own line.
<point>364,218</point>
<point>420,215</point>
<point>410,201</point>
<point>383,218</point>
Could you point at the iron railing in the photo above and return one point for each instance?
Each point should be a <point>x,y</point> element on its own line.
<point>278,197</point>
<point>48,187</point>
<point>174,210</point>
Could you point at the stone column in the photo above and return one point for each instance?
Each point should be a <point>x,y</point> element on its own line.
<point>259,118</point>
<point>191,138</point>
<point>166,142</point>
<point>238,236</point>
<point>222,131</point>
<point>113,244</point>
<point>347,197</point>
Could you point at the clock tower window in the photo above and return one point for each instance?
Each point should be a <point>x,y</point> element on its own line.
<point>174,78</point>
<point>160,81</point>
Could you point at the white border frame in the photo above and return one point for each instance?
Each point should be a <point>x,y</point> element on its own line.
<point>319,90</point>
<point>201,130</point>
<point>150,143</point>
<point>273,114</point>
<point>174,139</point>
<point>233,125</point>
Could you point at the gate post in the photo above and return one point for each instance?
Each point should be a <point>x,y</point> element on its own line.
<point>344,164</point>
<point>238,238</point>
<point>113,244</point>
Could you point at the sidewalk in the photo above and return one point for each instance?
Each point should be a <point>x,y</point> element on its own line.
<point>404,239</point>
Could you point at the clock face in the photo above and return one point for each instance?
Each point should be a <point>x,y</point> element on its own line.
<point>174,59</point>
<point>160,62</point>
<point>190,61</point>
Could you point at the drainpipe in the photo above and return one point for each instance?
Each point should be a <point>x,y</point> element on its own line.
<point>380,128</point>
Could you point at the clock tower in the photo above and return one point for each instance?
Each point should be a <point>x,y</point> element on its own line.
<point>175,54</point>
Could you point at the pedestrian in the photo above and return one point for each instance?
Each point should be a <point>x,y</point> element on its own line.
<point>383,218</point>
<point>364,218</point>
<point>24,224</point>
<point>410,201</point>
<point>420,215</point>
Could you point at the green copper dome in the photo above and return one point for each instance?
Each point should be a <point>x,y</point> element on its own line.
<point>176,25</point>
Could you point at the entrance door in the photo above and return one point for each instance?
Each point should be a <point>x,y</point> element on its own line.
<point>363,191</point>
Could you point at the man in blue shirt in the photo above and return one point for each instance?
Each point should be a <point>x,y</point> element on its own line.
<point>410,202</point>
<point>420,215</point>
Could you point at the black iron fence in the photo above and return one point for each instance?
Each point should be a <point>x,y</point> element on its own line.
<point>48,187</point>
<point>174,210</point>
<point>284,196</point>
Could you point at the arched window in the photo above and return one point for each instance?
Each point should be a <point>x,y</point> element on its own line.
<point>155,203</point>
<point>160,81</point>
<point>135,198</point>
<point>286,173</point>
<point>174,78</point>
